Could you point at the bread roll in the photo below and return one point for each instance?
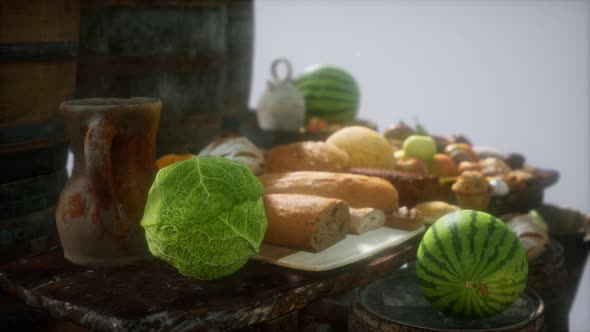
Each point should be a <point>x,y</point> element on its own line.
<point>358,191</point>
<point>236,148</point>
<point>305,222</point>
<point>532,235</point>
<point>363,220</point>
<point>406,219</point>
<point>306,156</point>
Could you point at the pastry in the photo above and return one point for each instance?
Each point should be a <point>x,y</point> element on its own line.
<point>532,234</point>
<point>236,148</point>
<point>406,219</point>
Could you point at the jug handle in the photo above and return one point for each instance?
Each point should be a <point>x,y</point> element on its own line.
<point>97,156</point>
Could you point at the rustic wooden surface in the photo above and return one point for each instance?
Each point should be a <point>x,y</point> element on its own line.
<point>152,295</point>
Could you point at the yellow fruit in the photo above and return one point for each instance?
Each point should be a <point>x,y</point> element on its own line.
<point>432,210</point>
<point>365,146</point>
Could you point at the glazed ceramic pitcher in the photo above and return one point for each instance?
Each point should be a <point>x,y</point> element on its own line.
<point>99,210</point>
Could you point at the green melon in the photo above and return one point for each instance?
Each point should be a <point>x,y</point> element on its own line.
<point>330,93</point>
<point>471,265</point>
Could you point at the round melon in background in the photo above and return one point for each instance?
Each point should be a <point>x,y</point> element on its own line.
<point>471,265</point>
<point>330,93</point>
<point>365,147</point>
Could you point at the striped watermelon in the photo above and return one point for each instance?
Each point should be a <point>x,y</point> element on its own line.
<point>330,93</point>
<point>471,265</point>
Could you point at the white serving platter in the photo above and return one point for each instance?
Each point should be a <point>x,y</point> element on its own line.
<point>352,249</point>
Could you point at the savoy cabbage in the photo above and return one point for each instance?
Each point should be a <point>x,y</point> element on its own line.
<point>205,216</point>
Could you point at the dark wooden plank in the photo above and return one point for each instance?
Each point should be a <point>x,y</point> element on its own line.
<point>152,295</point>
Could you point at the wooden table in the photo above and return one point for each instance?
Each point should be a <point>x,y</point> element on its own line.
<point>153,296</point>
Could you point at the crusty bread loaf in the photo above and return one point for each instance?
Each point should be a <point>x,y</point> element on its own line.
<point>306,156</point>
<point>363,220</point>
<point>358,191</point>
<point>304,221</point>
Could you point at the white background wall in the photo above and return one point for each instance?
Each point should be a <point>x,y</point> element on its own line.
<point>514,75</point>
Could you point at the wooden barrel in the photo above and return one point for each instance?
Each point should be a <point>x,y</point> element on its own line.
<point>26,196</point>
<point>239,50</point>
<point>396,303</point>
<point>27,214</point>
<point>30,233</point>
<point>172,50</point>
<point>548,278</point>
<point>38,50</point>
<point>571,228</point>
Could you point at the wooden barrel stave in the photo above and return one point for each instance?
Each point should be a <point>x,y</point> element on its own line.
<point>239,55</point>
<point>38,50</point>
<point>188,53</point>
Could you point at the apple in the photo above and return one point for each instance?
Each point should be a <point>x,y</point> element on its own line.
<point>411,165</point>
<point>419,146</point>
<point>443,166</point>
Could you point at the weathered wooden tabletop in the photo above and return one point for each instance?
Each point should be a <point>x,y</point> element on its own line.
<point>152,295</point>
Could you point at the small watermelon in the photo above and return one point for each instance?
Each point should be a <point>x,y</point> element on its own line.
<point>330,93</point>
<point>471,265</point>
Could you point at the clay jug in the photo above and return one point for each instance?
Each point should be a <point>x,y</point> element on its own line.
<point>282,106</point>
<point>113,142</point>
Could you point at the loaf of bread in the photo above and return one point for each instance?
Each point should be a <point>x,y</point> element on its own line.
<point>306,156</point>
<point>363,220</point>
<point>304,221</point>
<point>358,191</point>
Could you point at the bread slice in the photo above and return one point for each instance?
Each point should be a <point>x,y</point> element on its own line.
<point>358,191</point>
<point>363,220</point>
<point>304,221</point>
<point>306,156</point>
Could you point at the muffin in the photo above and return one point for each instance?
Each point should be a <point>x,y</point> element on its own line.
<point>472,191</point>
